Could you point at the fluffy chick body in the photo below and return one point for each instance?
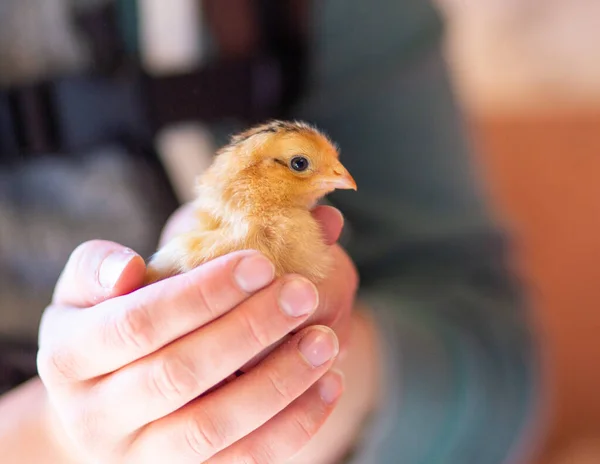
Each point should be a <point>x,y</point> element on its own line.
<point>252,197</point>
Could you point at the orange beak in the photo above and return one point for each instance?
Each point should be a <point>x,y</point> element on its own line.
<point>340,179</point>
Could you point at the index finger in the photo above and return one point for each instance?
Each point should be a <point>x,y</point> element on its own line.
<point>77,345</point>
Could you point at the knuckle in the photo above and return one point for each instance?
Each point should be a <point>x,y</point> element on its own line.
<point>198,293</point>
<point>252,455</point>
<point>173,378</point>
<point>204,436</point>
<point>304,427</point>
<point>282,387</point>
<point>56,364</point>
<point>258,453</point>
<point>255,332</point>
<point>133,328</point>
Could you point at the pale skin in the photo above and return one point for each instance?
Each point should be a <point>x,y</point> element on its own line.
<point>125,371</point>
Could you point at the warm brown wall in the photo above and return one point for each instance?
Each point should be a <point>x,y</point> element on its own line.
<point>543,174</point>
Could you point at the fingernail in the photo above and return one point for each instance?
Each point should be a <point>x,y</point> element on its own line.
<point>298,297</point>
<point>319,346</point>
<point>113,266</point>
<point>253,273</point>
<point>331,386</point>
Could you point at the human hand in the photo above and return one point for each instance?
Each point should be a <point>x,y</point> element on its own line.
<point>337,292</point>
<point>126,372</point>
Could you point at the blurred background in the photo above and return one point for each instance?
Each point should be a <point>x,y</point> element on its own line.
<point>110,152</point>
<point>528,72</point>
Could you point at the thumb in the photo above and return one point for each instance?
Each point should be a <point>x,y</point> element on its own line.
<point>331,221</point>
<point>182,220</point>
<point>96,271</point>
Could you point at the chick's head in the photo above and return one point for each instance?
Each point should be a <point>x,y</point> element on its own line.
<point>291,162</point>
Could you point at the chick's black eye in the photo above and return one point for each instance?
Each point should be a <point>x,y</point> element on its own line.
<point>299,163</point>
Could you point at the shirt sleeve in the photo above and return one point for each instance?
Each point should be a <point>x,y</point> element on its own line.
<point>461,365</point>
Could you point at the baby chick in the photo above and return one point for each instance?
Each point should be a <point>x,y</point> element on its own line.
<point>258,194</point>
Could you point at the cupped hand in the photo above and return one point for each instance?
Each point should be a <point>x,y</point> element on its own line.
<point>337,292</point>
<point>127,371</point>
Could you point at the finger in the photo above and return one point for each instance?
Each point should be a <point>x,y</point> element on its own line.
<point>331,221</point>
<point>96,271</point>
<point>336,296</point>
<point>289,431</point>
<point>170,378</point>
<point>79,345</point>
<point>264,353</point>
<point>336,300</point>
<point>208,425</point>
<point>182,220</point>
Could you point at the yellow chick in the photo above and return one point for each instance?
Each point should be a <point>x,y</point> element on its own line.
<point>257,194</point>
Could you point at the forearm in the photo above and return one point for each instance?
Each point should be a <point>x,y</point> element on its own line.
<point>26,431</point>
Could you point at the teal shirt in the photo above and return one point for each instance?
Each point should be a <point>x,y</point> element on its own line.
<point>461,366</point>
